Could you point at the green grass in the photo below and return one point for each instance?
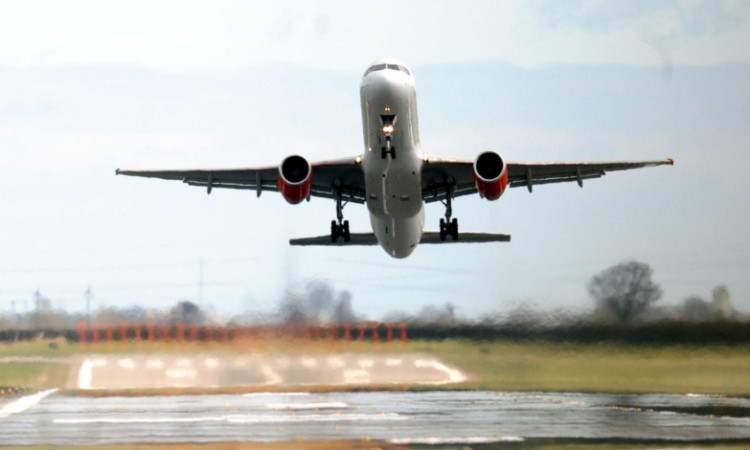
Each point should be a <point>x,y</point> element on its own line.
<point>719,370</point>
<point>34,375</point>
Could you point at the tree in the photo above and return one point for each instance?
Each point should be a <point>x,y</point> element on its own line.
<point>624,291</point>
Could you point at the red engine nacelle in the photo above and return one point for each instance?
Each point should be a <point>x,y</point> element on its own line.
<point>490,175</point>
<point>295,179</point>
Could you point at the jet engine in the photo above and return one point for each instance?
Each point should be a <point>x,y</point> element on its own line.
<point>295,179</point>
<point>490,175</point>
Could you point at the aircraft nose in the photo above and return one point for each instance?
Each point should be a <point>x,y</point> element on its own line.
<point>387,90</point>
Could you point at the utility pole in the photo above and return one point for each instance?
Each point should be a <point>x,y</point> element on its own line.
<point>36,301</point>
<point>200,286</point>
<point>88,306</point>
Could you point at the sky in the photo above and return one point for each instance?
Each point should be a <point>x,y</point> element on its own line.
<point>87,87</point>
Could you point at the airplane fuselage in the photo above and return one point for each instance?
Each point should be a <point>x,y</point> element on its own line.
<point>392,160</point>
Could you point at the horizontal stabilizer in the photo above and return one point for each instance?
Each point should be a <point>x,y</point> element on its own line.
<point>429,237</point>
<point>356,239</point>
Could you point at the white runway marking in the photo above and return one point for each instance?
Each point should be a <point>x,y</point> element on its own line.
<point>211,363</point>
<point>276,394</point>
<point>356,376</point>
<point>271,376</point>
<point>393,362</point>
<point>185,363</point>
<point>336,362</point>
<point>126,363</point>
<point>455,440</point>
<point>154,364</point>
<point>366,363</point>
<point>454,376</point>
<point>24,403</point>
<point>310,363</point>
<point>303,406</point>
<point>181,373</point>
<point>255,418</point>
<point>85,372</point>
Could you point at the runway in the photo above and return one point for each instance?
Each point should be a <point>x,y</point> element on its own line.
<point>211,370</point>
<point>439,417</point>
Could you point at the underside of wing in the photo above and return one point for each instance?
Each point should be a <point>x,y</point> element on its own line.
<point>442,175</point>
<point>530,174</point>
<point>329,178</point>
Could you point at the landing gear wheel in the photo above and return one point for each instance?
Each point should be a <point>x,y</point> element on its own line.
<point>334,231</point>
<point>384,152</point>
<point>448,227</point>
<point>454,229</point>
<point>339,227</point>
<point>345,231</point>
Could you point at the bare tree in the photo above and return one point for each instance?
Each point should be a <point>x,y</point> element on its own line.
<point>624,291</point>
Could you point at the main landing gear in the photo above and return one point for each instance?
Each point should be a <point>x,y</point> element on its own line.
<point>448,227</point>
<point>340,227</point>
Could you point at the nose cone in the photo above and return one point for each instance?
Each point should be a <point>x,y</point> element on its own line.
<point>387,89</point>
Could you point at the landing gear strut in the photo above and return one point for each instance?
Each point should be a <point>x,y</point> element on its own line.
<point>448,227</point>
<point>388,149</point>
<point>340,227</point>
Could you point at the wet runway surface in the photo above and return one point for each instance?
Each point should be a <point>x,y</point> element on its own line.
<point>398,417</point>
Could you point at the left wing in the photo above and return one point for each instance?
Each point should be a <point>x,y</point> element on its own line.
<point>327,178</point>
<point>437,173</point>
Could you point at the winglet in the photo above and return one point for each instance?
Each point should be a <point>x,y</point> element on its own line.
<point>671,161</point>
<point>117,171</point>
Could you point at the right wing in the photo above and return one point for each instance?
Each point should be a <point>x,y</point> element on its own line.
<point>438,173</point>
<point>327,178</point>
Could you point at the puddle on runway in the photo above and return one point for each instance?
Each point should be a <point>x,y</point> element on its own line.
<point>423,417</point>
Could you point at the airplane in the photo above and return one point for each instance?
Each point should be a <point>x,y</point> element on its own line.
<point>392,176</point>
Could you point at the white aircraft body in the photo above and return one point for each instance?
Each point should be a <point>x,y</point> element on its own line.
<point>392,176</point>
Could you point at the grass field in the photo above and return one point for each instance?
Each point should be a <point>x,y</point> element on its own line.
<point>503,366</point>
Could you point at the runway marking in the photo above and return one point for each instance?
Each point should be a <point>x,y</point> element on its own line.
<point>432,440</point>
<point>393,362</point>
<point>24,403</point>
<point>276,394</point>
<point>184,363</point>
<point>85,372</point>
<point>211,363</point>
<point>255,418</point>
<point>182,373</point>
<point>154,364</point>
<point>366,363</point>
<point>303,406</point>
<point>454,376</point>
<point>271,376</point>
<point>310,363</point>
<point>356,376</point>
<point>126,363</point>
<point>336,362</point>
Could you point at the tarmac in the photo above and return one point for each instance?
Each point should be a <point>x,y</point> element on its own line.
<point>155,371</point>
<point>442,418</point>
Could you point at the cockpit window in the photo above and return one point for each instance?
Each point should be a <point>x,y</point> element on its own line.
<point>377,67</point>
